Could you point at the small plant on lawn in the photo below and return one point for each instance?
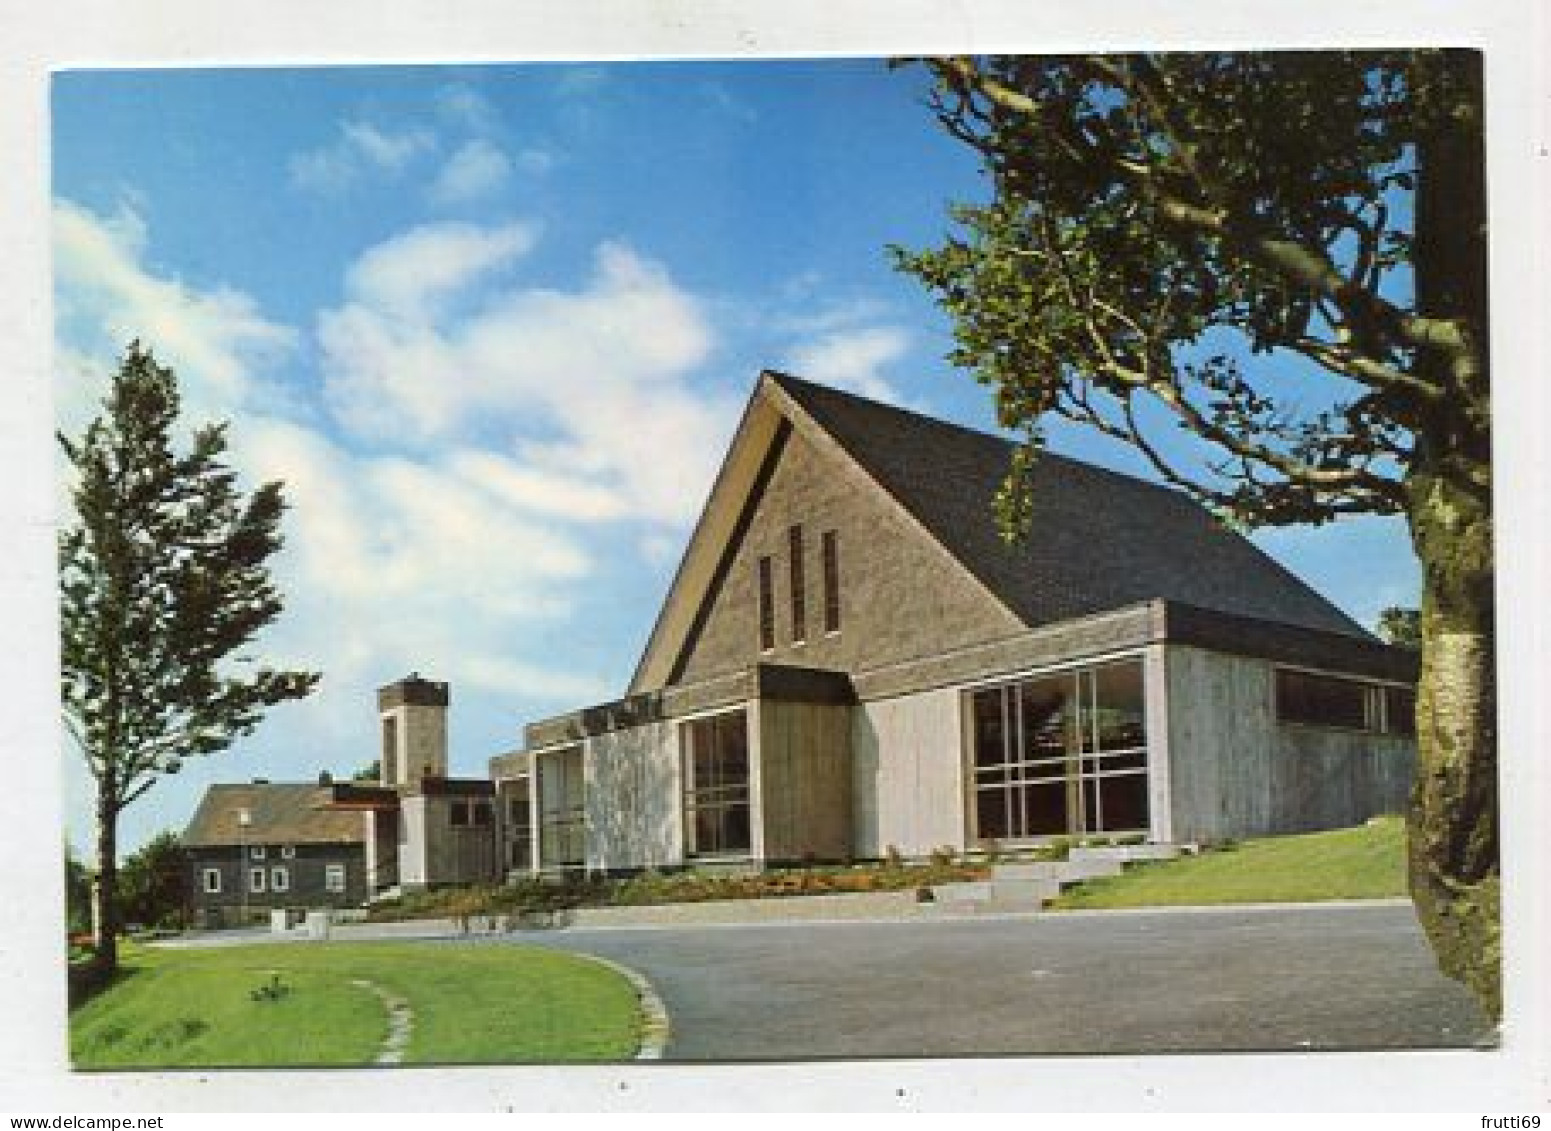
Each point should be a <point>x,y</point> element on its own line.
<point>272,990</point>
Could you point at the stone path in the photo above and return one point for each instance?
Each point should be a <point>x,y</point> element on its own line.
<point>401,1022</point>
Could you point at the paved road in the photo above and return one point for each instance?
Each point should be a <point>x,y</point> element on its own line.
<point>1355,976</point>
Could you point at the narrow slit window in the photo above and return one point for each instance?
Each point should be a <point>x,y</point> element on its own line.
<point>831,553</point>
<point>766,606</point>
<point>799,587</point>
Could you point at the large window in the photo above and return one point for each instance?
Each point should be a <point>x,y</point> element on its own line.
<point>716,785</point>
<point>1316,699</point>
<point>1061,755</point>
<point>562,809</point>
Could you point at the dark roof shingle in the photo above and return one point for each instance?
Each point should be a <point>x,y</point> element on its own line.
<point>281,812</point>
<point>1098,540</point>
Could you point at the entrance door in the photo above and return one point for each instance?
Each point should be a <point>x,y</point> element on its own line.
<point>1060,755</point>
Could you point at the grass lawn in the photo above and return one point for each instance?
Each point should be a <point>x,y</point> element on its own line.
<point>1367,862</point>
<point>472,1005</point>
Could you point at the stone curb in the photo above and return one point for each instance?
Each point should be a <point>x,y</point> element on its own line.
<point>655,1029</point>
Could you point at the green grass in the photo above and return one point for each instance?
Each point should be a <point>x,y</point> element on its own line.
<point>472,1005</point>
<point>1367,862</point>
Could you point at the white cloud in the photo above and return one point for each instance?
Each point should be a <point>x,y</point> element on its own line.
<point>453,561</point>
<point>410,275</point>
<point>464,106</point>
<point>852,359</point>
<point>474,172</point>
<point>591,382</point>
<point>361,147</point>
<point>215,339</point>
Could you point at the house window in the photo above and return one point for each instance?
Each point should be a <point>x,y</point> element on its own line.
<point>766,606</point>
<point>279,879</point>
<point>256,878</point>
<point>799,587</point>
<point>830,548</point>
<point>482,813</point>
<point>334,877</point>
<point>562,809</point>
<point>257,851</point>
<point>288,852</point>
<point>460,814</point>
<point>212,880</point>
<point>1060,755</point>
<point>716,785</point>
<point>1325,700</point>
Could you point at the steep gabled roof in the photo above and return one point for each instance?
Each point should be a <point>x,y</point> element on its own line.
<point>1098,539</point>
<point>280,812</point>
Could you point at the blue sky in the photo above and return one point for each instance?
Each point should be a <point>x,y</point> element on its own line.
<point>493,327</point>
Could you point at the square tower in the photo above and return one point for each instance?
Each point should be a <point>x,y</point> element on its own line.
<point>413,714</point>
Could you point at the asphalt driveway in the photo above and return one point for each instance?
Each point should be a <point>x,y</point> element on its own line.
<point>1350,976</point>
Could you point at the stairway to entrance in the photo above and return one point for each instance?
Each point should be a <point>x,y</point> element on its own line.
<point>1022,887</point>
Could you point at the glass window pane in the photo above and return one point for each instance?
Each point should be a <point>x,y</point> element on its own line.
<point>991,814</point>
<point>1125,803</point>
<point>1044,706</point>
<point>990,728</point>
<point>1119,712</point>
<point>1044,809</point>
<point>1321,700</point>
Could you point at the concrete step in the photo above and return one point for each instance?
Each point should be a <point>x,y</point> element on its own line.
<point>1034,891</point>
<point>1061,871</point>
<point>1124,853</point>
<point>963,892</point>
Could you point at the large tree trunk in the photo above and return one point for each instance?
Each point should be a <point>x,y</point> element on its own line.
<point>1453,854</point>
<point>105,912</point>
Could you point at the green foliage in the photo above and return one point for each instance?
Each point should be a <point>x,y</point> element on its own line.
<point>78,895</point>
<point>1401,627</point>
<point>164,583</point>
<point>370,773</point>
<point>1167,231</point>
<point>547,896</point>
<point>471,1004</point>
<point>153,883</point>
<point>1267,274</point>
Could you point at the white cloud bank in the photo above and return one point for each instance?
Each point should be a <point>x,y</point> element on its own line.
<point>590,385</point>
<point>475,432</point>
<point>360,148</point>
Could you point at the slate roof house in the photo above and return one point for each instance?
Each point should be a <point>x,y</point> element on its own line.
<point>263,845</point>
<point>252,848</point>
<point>850,660</point>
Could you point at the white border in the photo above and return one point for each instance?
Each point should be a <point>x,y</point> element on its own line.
<point>183,32</point>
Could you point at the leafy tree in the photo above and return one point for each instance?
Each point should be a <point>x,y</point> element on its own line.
<point>163,583</point>
<point>1401,627</point>
<point>1277,260</point>
<point>371,772</point>
<point>153,883</point>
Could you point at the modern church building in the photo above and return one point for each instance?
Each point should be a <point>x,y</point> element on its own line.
<point>852,663</point>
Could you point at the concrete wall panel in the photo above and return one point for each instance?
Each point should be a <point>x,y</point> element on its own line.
<point>907,774</point>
